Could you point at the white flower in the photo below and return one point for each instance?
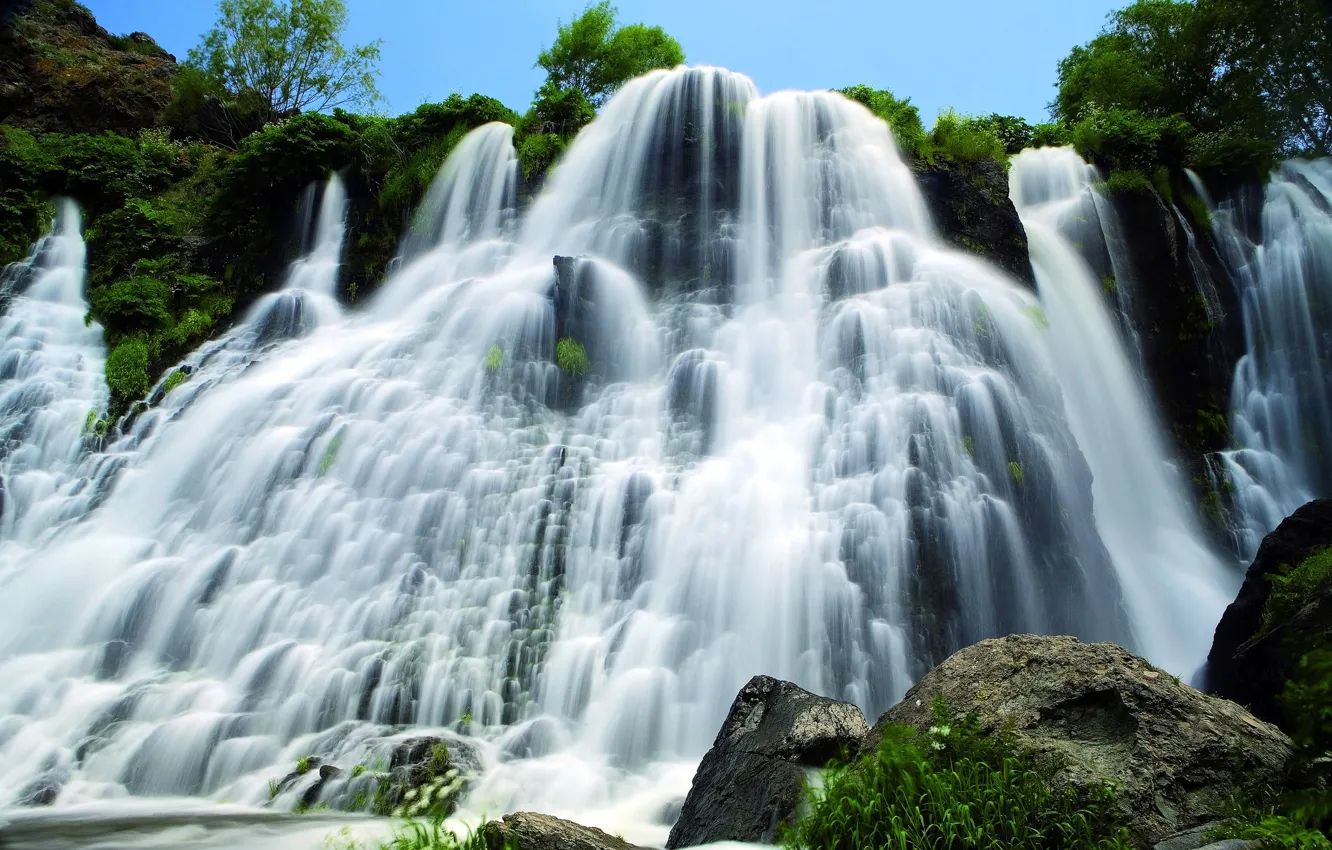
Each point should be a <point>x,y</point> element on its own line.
<point>938,745</point>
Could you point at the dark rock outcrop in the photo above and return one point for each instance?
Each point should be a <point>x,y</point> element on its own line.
<point>532,831</point>
<point>1189,347</point>
<point>752,780</point>
<point>971,207</point>
<point>1252,668</point>
<point>61,72</point>
<point>1098,713</point>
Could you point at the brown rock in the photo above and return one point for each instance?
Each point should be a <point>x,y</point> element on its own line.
<point>1098,713</point>
<point>532,831</point>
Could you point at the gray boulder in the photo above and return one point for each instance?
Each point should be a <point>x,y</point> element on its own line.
<point>1098,713</point>
<point>752,780</point>
<point>532,831</point>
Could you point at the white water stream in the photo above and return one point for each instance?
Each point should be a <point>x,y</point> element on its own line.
<point>809,441</point>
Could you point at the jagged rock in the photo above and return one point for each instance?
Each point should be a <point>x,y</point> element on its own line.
<point>1098,713</point>
<point>61,72</point>
<point>1196,839</point>
<point>752,779</point>
<point>1252,668</point>
<point>532,831</point>
<point>971,207</point>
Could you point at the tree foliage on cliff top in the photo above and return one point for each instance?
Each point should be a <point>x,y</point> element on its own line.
<point>595,56</point>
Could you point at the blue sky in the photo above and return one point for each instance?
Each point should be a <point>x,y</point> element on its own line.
<point>976,56</point>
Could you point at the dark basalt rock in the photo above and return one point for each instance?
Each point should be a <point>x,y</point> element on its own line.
<point>1250,668</point>
<point>532,831</point>
<point>1189,356</point>
<point>61,72</point>
<point>752,780</point>
<point>971,207</point>
<point>1098,713</point>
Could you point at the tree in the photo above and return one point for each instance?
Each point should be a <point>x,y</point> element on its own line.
<point>595,56</point>
<point>287,54</point>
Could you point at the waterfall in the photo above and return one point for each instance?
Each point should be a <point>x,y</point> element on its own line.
<point>717,403</point>
<point>1281,397</point>
<point>51,380</point>
<point>1141,509</point>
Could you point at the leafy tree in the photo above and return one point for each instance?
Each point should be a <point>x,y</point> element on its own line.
<point>902,117</point>
<point>595,56</point>
<point>287,54</point>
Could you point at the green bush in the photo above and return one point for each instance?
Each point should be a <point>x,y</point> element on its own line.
<point>128,306</point>
<point>902,118</point>
<point>1124,139</point>
<point>953,787</point>
<point>963,138</point>
<point>127,371</point>
<point>1127,181</point>
<point>572,357</point>
<point>1051,135</point>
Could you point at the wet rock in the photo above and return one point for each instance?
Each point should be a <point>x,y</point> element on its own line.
<point>1098,713</point>
<point>427,762</point>
<point>970,205</point>
<point>532,831</point>
<point>43,790</point>
<point>752,780</point>
<point>1189,839</point>
<point>1252,668</point>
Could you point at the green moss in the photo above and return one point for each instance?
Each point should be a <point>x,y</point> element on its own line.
<point>954,787</point>
<point>1127,181</point>
<point>494,359</point>
<point>1016,473</point>
<point>127,370</point>
<point>571,357</point>
<point>1037,316</point>
<point>174,380</point>
<point>1108,284</point>
<point>969,445</point>
<point>330,454</point>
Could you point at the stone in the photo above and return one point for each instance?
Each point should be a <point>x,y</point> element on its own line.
<point>1252,668</point>
<point>1098,713</point>
<point>970,205</point>
<point>532,831</point>
<point>1189,839</point>
<point>752,780</point>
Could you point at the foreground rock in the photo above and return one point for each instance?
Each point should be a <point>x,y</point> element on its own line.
<point>1098,713</point>
<point>752,780</point>
<point>531,831</point>
<point>1251,667</point>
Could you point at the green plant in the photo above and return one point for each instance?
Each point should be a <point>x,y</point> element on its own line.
<point>303,765</point>
<point>1127,182</point>
<point>330,454</point>
<point>964,138</point>
<point>902,118</point>
<point>1037,316</point>
<point>1015,472</point>
<point>1294,587</point>
<point>272,789</point>
<point>595,56</point>
<point>174,380</point>
<point>494,359</point>
<point>571,357</point>
<point>953,787</point>
<point>357,770</point>
<point>1108,283</point>
<point>969,445</point>
<point>127,370</point>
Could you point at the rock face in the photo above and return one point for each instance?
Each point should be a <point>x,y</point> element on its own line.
<point>1189,347</point>
<point>531,831</point>
<point>1096,712</point>
<point>1250,668</point>
<point>971,207</point>
<point>61,72</point>
<point>752,779</point>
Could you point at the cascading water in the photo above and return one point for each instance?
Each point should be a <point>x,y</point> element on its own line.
<point>719,404</point>
<point>1281,398</point>
<point>51,379</point>
<point>1175,587</point>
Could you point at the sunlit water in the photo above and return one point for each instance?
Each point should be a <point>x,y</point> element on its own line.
<point>809,441</point>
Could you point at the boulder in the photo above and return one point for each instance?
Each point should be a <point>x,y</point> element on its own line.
<point>752,780</point>
<point>969,203</point>
<point>532,831</point>
<point>1098,713</point>
<point>1252,668</point>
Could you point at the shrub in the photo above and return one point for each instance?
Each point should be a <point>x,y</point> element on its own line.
<point>1127,181</point>
<point>537,154</point>
<point>963,138</point>
<point>1294,587</point>
<point>1124,139</point>
<point>953,787</point>
<point>572,357</point>
<point>902,118</point>
<point>494,359</point>
<point>136,304</point>
<point>127,370</point>
<point>1050,136</point>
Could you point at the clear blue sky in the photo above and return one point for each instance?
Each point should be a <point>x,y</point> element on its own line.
<point>977,56</point>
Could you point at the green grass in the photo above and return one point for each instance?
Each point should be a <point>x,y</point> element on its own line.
<point>330,455</point>
<point>953,787</point>
<point>963,138</point>
<point>414,835</point>
<point>572,357</point>
<point>1037,316</point>
<point>303,765</point>
<point>494,359</point>
<point>1127,180</point>
<point>1015,472</point>
<point>174,380</point>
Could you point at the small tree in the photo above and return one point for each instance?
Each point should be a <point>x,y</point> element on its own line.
<point>595,56</point>
<point>288,55</point>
